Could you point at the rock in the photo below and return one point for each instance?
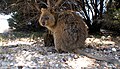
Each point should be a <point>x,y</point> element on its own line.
<point>114,49</point>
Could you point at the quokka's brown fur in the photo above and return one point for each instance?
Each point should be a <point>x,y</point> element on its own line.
<point>69,32</point>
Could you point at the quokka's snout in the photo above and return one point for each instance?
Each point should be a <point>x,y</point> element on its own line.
<point>44,20</point>
<point>43,23</point>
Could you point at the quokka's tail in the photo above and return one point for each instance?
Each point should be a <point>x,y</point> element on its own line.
<point>107,59</point>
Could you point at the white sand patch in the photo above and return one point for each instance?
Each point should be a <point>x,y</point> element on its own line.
<point>4,23</point>
<point>81,62</point>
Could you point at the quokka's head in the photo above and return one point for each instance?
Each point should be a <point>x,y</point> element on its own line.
<point>47,19</point>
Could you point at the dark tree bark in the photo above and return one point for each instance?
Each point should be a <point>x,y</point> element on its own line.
<point>87,20</point>
<point>101,8</point>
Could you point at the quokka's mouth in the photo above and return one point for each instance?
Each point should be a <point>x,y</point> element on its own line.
<point>43,23</point>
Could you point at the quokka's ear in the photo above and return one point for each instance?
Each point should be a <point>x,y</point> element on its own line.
<point>52,10</point>
<point>43,9</point>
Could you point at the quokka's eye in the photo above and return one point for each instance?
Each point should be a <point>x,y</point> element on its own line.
<point>46,18</point>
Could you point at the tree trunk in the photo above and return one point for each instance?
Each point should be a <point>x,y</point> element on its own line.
<point>97,24</point>
<point>101,8</point>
